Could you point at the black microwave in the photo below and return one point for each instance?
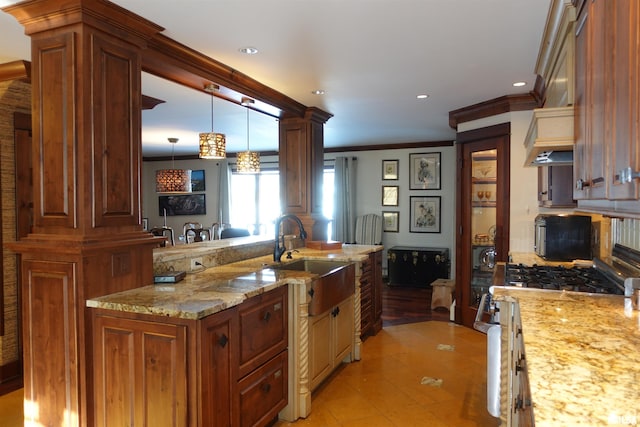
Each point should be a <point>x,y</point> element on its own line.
<point>563,237</point>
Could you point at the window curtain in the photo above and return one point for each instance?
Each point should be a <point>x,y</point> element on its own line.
<point>344,199</point>
<point>224,201</point>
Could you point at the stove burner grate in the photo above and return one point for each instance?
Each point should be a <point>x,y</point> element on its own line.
<point>576,279</point>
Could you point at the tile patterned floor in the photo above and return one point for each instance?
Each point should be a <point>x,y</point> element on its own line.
<point>419,374</point>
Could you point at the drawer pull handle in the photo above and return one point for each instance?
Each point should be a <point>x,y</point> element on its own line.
<point>335,311</point>
<point>311,292</point>
<point>267,316</point>
<point>266,387</point>
<point>223,340</point>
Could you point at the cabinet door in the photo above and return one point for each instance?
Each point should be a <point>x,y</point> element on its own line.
<point>624,152</point>
<point>218,336</point>
<point>343,330</point>
<point>140,373</point>
<point>581,123</point>
<point>320,348</point>
<point>482,219</point>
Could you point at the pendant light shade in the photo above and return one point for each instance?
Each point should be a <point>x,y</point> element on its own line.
<point>212,144</point>
<point>248,161</point>
<point>173,180</point>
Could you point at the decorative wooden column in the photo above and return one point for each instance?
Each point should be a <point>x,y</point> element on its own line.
<point>87,238</point>
<point>301,169</point>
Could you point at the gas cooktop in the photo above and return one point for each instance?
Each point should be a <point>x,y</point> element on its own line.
<point>576,279</point>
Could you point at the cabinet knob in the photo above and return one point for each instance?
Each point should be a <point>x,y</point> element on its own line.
<point>267,316</point>
<point>223,340</point>
<point>266,387</point>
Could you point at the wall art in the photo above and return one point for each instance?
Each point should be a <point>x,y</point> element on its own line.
<point>390,195</point>
<point>424,171</point>
<point>425,214</point>
<point>390,221</point>
<point>389,170</point>
<point>183,204</point>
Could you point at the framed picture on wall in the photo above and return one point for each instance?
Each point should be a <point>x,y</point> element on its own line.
<point>424,171</point>
<point>390,221</point>
<point>425,214</point>
<point>197,180</point>
<point>389,170</point>
<point>389,195</point>
<point>183,204</point>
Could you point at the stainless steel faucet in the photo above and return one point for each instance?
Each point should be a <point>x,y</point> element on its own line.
<point>278,249</point>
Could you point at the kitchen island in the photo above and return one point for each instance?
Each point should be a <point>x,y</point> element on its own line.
<point>582,357</point>
<point>208,299</point>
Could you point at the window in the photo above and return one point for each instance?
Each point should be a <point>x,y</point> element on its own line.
<point>258,210</point>
<point>255,201</point>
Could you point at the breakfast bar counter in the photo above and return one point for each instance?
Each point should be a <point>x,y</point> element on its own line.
<point>582,353</point>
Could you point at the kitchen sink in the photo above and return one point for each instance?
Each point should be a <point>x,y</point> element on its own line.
<point>335,282</point>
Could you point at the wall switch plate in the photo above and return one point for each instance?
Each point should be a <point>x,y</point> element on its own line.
<point>196,263</point>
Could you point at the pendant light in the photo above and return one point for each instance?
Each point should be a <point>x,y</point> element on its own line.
<point>248,161</point>
<point>212,144</point>
<point>173,180</point>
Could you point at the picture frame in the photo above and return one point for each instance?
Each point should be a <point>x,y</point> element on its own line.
<point>145,224</point>
<point>390,195</point>
<point>425,214</point>
<point>389,170</point>
<point>424,171</point>
<point>182,204</point>
<point>390,222</point>
<point>197,180</point>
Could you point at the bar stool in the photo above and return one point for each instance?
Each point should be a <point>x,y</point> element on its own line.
<point>162,232</point>
<point>442,294</point>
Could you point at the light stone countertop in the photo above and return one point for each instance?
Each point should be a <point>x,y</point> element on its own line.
<point>583,356</point>
<point>217,288</point>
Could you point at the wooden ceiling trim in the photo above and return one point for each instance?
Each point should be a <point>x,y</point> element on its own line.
<point>176,62</point>
<point>503,104</point>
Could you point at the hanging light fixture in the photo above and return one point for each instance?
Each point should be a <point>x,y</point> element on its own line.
<point>248,161</point>
<point>173,180</point>
<point>212,144</point>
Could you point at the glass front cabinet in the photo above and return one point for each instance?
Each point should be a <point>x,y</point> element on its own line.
<point>482,214</point>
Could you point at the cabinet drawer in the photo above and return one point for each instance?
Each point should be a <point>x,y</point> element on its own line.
<point>263,329</point>
<point>263,393</point>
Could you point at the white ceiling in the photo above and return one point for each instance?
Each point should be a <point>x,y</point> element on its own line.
<point>371,57</point>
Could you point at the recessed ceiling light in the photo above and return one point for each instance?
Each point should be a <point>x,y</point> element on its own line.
<point>422,96</point>
<point>317,92</point>
<point>519,84</point>
<point>249,50</point>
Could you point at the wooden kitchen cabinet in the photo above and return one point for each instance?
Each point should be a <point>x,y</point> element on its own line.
<point>141,371</point>
<point>371,295</point>
<point>330,340</point>
<point>555,187</point>
<point>230,368</point>
<point>606,158</point>
<point>593,83</point>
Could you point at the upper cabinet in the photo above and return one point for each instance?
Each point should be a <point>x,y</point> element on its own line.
<point>606,160</point>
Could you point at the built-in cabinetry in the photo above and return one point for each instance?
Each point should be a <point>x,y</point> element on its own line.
<point>482,216</point>
<point>229,368</point>
<point>330,340</point>
<point>606,157</point>
<point>371,295</point>
<point>555,186</point>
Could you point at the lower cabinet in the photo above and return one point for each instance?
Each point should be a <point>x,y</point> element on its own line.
<point>371,295</point>
<point>417,266</point>
<point>330,340</point>
<point>229,368</point>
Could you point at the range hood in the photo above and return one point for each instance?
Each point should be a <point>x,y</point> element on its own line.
<point>550,137</point>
